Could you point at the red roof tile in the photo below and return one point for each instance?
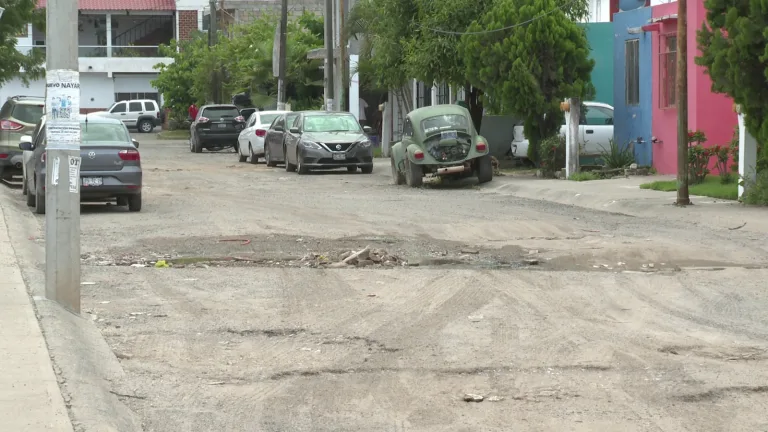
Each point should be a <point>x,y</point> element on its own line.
<point>122,5</point>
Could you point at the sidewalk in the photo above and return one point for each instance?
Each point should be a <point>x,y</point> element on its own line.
<point>30,399</point>
<point>623,195</point>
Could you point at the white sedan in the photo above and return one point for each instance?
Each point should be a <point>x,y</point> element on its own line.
<point>251,139</point>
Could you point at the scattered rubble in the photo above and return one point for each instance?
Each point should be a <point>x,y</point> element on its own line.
<point>469,397</point>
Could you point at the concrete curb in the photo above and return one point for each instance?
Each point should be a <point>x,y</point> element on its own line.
<point>86,367</point>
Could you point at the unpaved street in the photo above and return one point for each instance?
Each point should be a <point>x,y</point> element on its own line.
<point>563,319</point>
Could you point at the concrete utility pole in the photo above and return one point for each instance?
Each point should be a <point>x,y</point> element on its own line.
<point>329,88</point>
<point>343,71</point>
<point>62,191</point>
<point>281,70</point>
<point>572,148</point>
<point>212,40</point>
<point>683,199</point>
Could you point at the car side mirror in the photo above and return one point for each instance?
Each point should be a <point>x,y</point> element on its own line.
<point>278,129</point>
<point>367,129</point>
<point>135,143</point>
<point>294,130</point>
<point>26,143</point>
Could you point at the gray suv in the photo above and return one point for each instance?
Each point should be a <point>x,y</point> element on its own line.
<point>18,117</point>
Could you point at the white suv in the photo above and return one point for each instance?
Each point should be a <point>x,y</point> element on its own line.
<point>141,114</point>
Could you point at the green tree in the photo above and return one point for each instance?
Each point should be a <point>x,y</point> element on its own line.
<point>527,56</point>
<point>18,13</point>
<point>182,82</point>
<point>734,52</point>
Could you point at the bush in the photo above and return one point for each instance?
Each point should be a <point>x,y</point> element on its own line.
<point>756,192</point>
<point>552,155</point>
<point>617,157</point>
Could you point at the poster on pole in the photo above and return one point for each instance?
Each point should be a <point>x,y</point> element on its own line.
<point>62,109</point>
<point>74,174</point>
<point>276,51</point>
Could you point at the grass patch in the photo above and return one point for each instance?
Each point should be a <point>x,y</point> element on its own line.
<point>377,152</point>
<point>179,134</point>
<point>584,176</point>
<point>711,187</point>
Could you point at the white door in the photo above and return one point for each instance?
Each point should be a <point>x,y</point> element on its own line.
<point>596,129</point>
<point>135,110</point>
<point>120,111</point>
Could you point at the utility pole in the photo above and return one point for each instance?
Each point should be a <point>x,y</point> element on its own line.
<point>212,40</point>
<point>281,70</point>
<point>62,180</point>
<point>343,104</point>
<point>329,89</point>
<point>683,199</point>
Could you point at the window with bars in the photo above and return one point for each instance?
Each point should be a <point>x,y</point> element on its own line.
<point>632,72</point>
<point>141,95</point>
<point>443,94</point>
<point>667,71</point>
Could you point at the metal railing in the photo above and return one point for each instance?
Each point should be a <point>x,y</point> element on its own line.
<point>100,51</point>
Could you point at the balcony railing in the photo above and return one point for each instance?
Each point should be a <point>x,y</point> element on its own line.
<point>104,51</point>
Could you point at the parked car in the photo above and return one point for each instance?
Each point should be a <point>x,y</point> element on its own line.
<point>440,140</point>
<point>246,112</point>
<point>274,140</point>
<point>141,114</point>
<point>327,140</point>
<point>251,139</point>
<point>110,169</point>
<point>18,117</point>
<point>216,127</point>
<point>595,131</point>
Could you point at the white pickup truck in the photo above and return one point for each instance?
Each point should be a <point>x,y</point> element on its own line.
<point>595,131</point>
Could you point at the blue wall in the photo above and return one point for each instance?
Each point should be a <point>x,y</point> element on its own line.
<point>631,122</point>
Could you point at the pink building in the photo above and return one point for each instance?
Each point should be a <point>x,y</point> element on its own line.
<point>707,111</point>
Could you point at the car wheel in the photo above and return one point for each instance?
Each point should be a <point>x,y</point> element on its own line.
<point>236,147</point>
<point>397,177</point>
<point>240,157</point>
<point>134,202</point>
<point>268,157</point>
<point>367,169</point>
<point>288,166</point>
<point>39,202</point>
<point>31,199</point>
<point>414,175</point>
<point>352,169</point>
<point>484,169</point>
<point>254,158</point>
<point>300,167</point>
<point>198,148</point>
<point>24,186</point>
<point>146,126</point>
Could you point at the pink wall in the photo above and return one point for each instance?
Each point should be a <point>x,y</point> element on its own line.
<point>707,111</point>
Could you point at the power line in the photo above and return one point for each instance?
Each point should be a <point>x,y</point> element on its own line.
<point>537,17</point>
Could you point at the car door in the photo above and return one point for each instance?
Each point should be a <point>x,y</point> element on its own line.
<point>27,155</point>
<point>34,161</point>
<point>596,129</point>
<point>292,139</point>
<point>245,135</point>
<point>120,111</point>
<point>135,110</point>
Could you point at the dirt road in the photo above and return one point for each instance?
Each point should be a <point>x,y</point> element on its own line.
<point>561,318</point>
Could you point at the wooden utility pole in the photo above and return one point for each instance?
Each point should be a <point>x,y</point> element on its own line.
<point>683,199</point>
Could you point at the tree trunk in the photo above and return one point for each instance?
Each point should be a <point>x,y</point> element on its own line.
<point>474,101</point>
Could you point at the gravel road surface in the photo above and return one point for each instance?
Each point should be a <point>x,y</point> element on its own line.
<point>561,318</point>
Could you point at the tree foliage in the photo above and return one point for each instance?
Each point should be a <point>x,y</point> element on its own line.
<point>734,51</point>
<point>243,63</point>
<point>527,70</point>
<point>18,13</point>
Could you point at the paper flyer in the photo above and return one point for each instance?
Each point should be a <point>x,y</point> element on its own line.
<point>62,109</point>
<point>55,171</point>
<point>74,174</point>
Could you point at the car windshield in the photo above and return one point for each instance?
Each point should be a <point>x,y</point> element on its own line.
<point>331,123</point>
<point>103,132</point>
<point>268,118</point>
<point>444,122</point>
<point>26,113</point>
<point>220,112</point>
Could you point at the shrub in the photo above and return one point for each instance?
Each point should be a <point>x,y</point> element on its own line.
<point>552,155</point>
<point>584,176</point>
<point>616,156</point>
<point>756,192</point>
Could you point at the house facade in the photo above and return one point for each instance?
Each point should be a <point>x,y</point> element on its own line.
<point>645,66</point>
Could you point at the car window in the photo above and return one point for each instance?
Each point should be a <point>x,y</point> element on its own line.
<point>40,138</point>
<point>103,133</point>
<point>119,108</point>
<point>5,111</point>
<point>597,115</point>
<point>149,106</point>
<point>445,121</point>
<point>267,118</point>
<point>135,107</point>
<point>408,128</point>
<point>29,114</point>
<point>216,113</point>
<point>331,123</point>
<point>251,120</point>
<point>293,120</point>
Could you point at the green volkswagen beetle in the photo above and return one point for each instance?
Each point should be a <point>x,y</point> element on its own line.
<point>440,140</point>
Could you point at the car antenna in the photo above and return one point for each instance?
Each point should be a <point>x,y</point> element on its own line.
<point>86,122</point>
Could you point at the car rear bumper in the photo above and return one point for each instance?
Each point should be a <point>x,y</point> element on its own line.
<point>12,162</point>
<point>114,183</point>
<point>355,156</point>
<point>221,138</point>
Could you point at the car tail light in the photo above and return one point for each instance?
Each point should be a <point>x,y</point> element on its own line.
<point>240,119</point>
<point>203,120</point>
<point>42,157</point>
<point>481,146</point>
<point>4,155</point>
<point>10,125</point>
<point>129,155</point>
<point>261,132</point>
<point>418,154</point>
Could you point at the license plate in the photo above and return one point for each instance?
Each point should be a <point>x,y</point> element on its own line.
<point>222,125</point>
<point>448,135</point>
<point>92,181</point>
<point>339,156</point>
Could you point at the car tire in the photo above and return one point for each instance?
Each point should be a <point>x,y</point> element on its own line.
<point>289,167</point>
<point>414,175</point>
<point>39,203</point>
<point>397,177</point>
<point>236,147</point>
<point>240,157</point>
<point>254,158</point>
<point>146,126</point>
<point>30,199</point>
<point>352,169</point>
<point>300,167</point>
<point>366,169</point>
<point>134,202</point>
<point>24,186</point>
<point>198,146</point>
<point>484,169</point>
<point>267,156</point>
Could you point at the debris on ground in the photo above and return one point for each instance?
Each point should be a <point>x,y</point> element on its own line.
<point>531,261</point>
<point>469,397</point>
